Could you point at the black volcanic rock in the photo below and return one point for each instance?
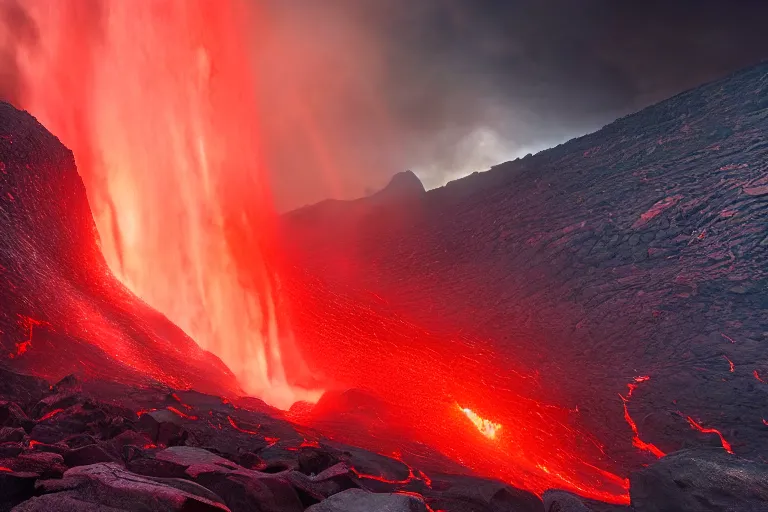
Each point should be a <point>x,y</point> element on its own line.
<point>11,415</point>
<point>61,309</point>
<point>112,486</point>
<point>402,185</point>
<point>562,501</point>
<point>87,455</point>
<point>15,487</point>
<point>700,481</point>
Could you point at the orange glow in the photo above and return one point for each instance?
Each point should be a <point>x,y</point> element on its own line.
<point>157,103</point>
<point>181,414</point>
<point>51,414</point>
<point>486,427</point>
<point>239,429</point>
<point>636,441</point>
<point>694,425</point>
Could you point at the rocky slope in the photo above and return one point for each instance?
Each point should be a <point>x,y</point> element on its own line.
<point>631,261</point>
<point>101,446</point>
<point>63,312</point>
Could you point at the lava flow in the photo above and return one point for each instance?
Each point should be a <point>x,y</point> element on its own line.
<point>422,376</point>
<point>486,427</point>
<point>636,441</point>
<point>157,103</point>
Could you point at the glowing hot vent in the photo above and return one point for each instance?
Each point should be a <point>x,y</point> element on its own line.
<point>156,101</point>
<point>486,427</point>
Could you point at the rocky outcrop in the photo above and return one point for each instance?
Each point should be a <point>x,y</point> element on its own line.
<point>701,481</point>
<point>62,310</point>
<point>266,464</point>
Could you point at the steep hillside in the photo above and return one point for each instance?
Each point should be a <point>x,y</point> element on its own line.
<point>61,310</point>
<point>640,250</point>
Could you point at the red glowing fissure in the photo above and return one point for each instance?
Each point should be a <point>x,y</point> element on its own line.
<point>382,479</point>
<point>51,414</point>
<point>239,429</point>
<point>181,414</point>
<point>8,470</point>
<point>176,397</point>
<point>757,376</point>
<point>636,441</point>
<point>726,445</point>
<point>730,363</point>
<point>23,346</point>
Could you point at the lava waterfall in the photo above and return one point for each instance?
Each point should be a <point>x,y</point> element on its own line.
<point>157,103</point>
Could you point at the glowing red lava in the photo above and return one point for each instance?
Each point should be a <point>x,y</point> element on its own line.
<point>239,429</point>
<point>51,414</point>
<point>22,347</point>
<point>636,441</point>
<point>157,102</point>
<point>486,427</point>
<point>425,375</point>
<point>696,426</point>
<point>181,414</point>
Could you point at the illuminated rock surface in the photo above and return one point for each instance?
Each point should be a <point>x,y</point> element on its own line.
<point>62,310</point>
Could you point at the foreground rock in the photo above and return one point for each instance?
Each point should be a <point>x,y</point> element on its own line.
<point>701,481</point>
<point>110,485</point>
<point>562,501</point>
<point>356,500</point>
<point>104,456</point>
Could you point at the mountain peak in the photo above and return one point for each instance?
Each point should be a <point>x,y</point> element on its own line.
<point>403,184</point>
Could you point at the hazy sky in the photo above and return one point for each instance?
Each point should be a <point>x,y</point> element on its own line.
<point>353,91</point>
<point>447,87</point>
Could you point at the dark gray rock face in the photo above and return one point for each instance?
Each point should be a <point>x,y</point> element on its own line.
<point>562,501</point>
<point>700,481</point>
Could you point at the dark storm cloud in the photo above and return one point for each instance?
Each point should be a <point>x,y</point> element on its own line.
<point>467,83</point>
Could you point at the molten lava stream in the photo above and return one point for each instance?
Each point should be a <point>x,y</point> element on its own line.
<point>157,102</point>
<point>432,382</point>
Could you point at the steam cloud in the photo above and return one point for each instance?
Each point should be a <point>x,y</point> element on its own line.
<point>353,91</point>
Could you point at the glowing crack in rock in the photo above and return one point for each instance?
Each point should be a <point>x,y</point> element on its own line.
<point>696,426</point>
<point>636,441</point>
<point>486,427</point>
